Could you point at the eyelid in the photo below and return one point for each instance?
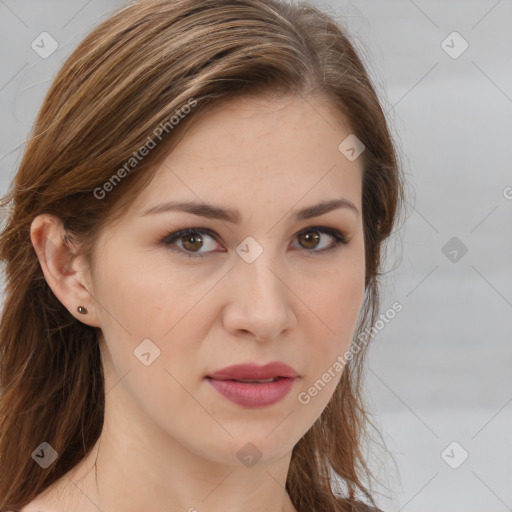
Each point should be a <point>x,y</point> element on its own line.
<point>340,238</point>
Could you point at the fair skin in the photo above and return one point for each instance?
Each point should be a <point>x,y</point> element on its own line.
<point>170,440</point>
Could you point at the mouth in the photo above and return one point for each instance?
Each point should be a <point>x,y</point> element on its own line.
<point>254,373</point>
<point>252,393</point>
<point>253,381</point>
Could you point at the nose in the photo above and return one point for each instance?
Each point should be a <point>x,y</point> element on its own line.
<point>260,301</point>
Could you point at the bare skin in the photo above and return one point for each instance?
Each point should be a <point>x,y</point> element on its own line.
<point>170,440</point>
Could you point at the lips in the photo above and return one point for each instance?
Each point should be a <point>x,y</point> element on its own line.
<point>251,385</point>
<point>254,372</point>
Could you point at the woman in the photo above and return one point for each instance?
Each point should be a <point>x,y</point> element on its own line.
<point>192,255</point>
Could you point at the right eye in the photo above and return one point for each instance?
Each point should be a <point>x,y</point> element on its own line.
<point>190,240</point>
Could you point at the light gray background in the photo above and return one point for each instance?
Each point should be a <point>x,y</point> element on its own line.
<point>440,371</point>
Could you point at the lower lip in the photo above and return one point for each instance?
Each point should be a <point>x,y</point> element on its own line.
<point>253,395</point>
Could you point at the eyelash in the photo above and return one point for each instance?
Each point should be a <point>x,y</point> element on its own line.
<point>170,238</point>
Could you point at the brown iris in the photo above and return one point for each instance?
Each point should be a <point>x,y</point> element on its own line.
<point>309,237</point>
<point>190,242</point>
<point>193,242</point>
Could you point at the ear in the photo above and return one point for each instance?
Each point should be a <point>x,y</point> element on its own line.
<point>68,276</point>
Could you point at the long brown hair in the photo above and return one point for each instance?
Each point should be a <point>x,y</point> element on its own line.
<point>128,77</point>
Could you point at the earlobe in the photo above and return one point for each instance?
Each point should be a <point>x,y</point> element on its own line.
<point>56,256</point>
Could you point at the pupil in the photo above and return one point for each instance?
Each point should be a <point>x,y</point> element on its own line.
<point>192,239</point>
<point>311,238</point>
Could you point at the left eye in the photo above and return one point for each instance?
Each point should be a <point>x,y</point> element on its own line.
<point>190,240</point>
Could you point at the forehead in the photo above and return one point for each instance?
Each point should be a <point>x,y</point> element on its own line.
<point>258,151</point>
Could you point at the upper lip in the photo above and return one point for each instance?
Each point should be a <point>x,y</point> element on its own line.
<point>254,371</point>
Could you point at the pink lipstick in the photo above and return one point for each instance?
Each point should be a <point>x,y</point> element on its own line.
<point>251,385</point>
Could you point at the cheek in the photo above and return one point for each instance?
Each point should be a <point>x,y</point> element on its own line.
<point>137,296</point>
<point>330,321</point>
<point>163,307</point>
<point>335,302</point>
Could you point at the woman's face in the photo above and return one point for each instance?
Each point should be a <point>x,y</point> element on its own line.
<point>263,286</point>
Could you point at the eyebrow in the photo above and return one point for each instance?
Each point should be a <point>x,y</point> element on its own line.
<point>216,212</point>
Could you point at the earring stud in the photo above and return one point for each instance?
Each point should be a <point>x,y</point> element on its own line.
<point>82,310</point>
